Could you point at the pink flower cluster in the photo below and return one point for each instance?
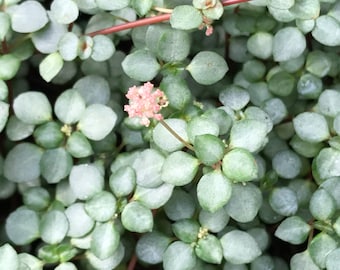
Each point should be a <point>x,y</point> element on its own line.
<point>145,103</point>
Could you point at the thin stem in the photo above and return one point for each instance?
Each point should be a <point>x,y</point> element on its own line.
<point>150,20</point>
<point>187,145</point>
<point>129,25</point>
<point>132,263</point>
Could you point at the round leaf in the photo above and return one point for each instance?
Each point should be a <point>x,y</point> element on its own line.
<point>97,121</point>
<point>207,67</point>
<point>68,46</point>
<point>141,65</point>
<point>234,97</point>
<point>293,230</point>
<point>209,149</point>
<point>287,164</point>
<point>260,44</point>
<point>239,247</point>
<point>165,140</point>
<point>239,165</point>
<point>22,163</point>
<point>179,168</point>
<point>55,164</point>
<point>122,182</point>
<point>50,66</point>
<point>333,258</point>
<point>78,145</point>
<point>85,180</point>
<point>151,246</point>
<point>64,11</point>
<point>249,134</point>
<point>22,226</point>
<point>283,200</point>
<point>4,113</point>
<point>32,108</point>
<point>185,17</point>
<point>213,191</point>
<point>69,106</point>
<point>105,240</point>
<point>288,43</point>
<point>9,257</point>
<point>209,249</point>
<point>180,206</point>
<point>53,227</point>
<point>326,163</point>
<point>17,130</point>
<point>148,167</point>
<point>302,261</point>
<point>103,48</point>
<point>244,203</point>
<point>12,65</point>
<point>28,17</point>
<point>329,102</point>
<point>102,206</point>
<point>322,206</point>
<point>137,218</point>
<point>179,256</point>
<point>214,222</point>
<point>186,230</point>
<point>326,31</point>
<point>311,127</point>
<point>36,198</point>
<point>80,223</point>
<point>320,247</point>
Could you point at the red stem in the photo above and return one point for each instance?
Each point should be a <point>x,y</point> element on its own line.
<point>132,263</point>
<point>149,20</point>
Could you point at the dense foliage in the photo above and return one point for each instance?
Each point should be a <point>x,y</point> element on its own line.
<point>170,134</point>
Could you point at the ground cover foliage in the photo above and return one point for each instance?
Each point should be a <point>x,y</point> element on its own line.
<point>168,134</point>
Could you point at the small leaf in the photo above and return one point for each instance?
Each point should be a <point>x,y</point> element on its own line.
<point>22,226</point>
<point>332,260</point>
<point>293,230</point>
<point>153,198</point>
<point>326,31</point>
<point>306,9</point>
<point>87,84</point>
<point>111,262</point>
<point>239,165</point>
<point>179,255</point>
<point>9,257</point>
<point>105,240</point>
<point>287,164</point>
<point>103,48</point>
<point>209,149</point>
<point>249,134</point>
<point>86,180</point>
<point>137,218</point>
<point>281,84</point>
<point>322,206</point>
<point>80,223</point>
<point>9,66</point>
<point>5,23</point>
<point>181,205</point>
<point>151,246</point>
<point>142,7</point>
<point>320,247</point>
<point>329,102</point>
<point>244,203</point>
<point>209,249</point>
<point>78,145</point>
<point>28,17</point>
<point>302,260</point>
<point>32,108</point>
<point>69,106</point>
<point>288,43</point>
<point>53,227</point>
<point>97,121</point>
<point>283,200</point>
<point>214,222</point>
<point>207,67</point>
<point>123,181</point>
<point>50,66</point>
<point>235,97</point>
<point>36,198</point>
<point>186,230</point>
<point>16,130</point>
<point>185,17</point>
<point>64,11</point>
<point>141,65</point>
<point>318,63</point>
<point>148,167</point>
<point>102,206</point>
<point>4,113</point>
<point>22,163</point>
<point>213,191</point>
<point>68,46</point>
<point>239,247</point>
<point>179,168</point>
<point>260,44</point>
<point>165,140</point>
<point>55,165</point>
<point>311,127</point>
<point>326,163</point>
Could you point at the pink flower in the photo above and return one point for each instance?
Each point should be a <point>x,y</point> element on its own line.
<point>145,103</point>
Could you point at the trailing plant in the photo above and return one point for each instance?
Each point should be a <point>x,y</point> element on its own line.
<point>158,134</point>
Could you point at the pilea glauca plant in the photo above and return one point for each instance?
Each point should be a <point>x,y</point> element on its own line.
<point>170,134</point>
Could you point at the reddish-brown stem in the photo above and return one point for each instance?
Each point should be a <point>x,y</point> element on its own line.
<point>132,263</point>
<point>148,21</point>
<point>4,47</point>
<point>129,25</point>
